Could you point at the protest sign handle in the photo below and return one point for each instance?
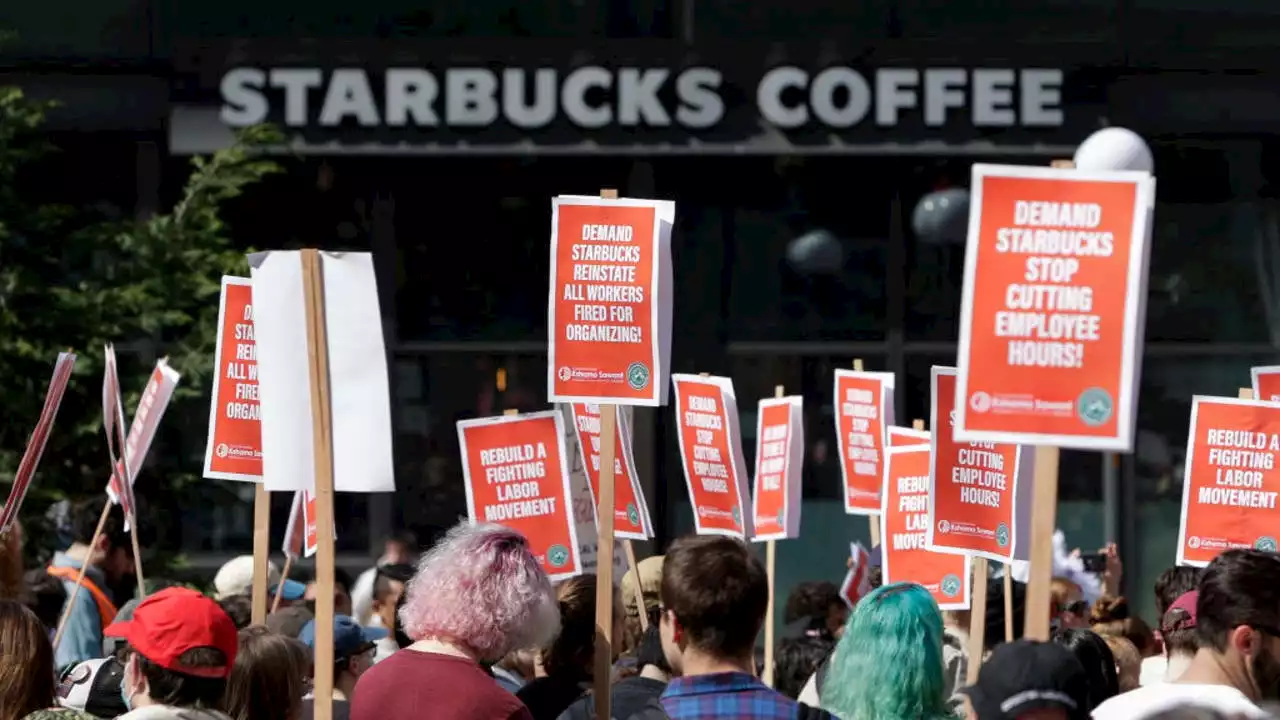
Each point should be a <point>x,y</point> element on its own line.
<point>1246,394</point>
<point>1008,602</point>
<point>137,555</point>
<point>771,561</point>
<point>634,569</point>
<point>873,521</point>
<point>284,575</point>
<point>1044,511</point>
<point>66,611</point>
<point>603,671</point>
<point>917,424</point>
<point>322,432</point>
<point>977,619</point>
<point>261,551</point>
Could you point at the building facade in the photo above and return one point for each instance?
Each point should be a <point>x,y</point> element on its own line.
<point>798,139</point>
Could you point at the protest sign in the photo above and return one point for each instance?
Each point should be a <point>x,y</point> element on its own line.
<point>977,488</point>
<point>119,486</point>
<point>857,582</point>
<point>300,536</point>
<point>904,521</point>
<point>1266,382</point>
<point>1231,480</point>
<point>359,395</point>
<point>903,437</point>
<point>1053,307</point>
<point>711,454</point>
<point>775,504</point>
<point>610,300</point>
<point>631,513</point>
<point>62,369</point>
<point>864,412</point>
<point>515,473</point>
<point>152,405</point>
<point>583,501</point>
<point>234,448</point>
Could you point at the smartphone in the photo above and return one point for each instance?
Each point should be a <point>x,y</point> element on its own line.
<point>1096,563</point>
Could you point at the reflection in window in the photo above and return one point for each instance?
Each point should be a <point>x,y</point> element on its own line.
<point>1046,20</point>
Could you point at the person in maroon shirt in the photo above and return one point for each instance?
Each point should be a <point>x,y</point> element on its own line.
<point>477,595</point>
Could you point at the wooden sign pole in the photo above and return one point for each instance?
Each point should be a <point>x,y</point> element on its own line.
<point>1044,518</point>
<point>977,619</point>
<point>770,566</point>
<point>602,675</point>
<point>284,575</point>
<point>873,521</point>
<point>634,568</point>
<point>1246,394</point>
<point>1008,602</point>
<point>322,433</point>
<point>261,553</point>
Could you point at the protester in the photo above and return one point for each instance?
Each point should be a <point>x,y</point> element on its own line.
<point>564,668</point>
<point>1025,680</point>
<point>515,669</point>
<point>820,606</point>
<point>478,594</point>
<point>889,662</point>
<point>1111,616</point>
<point>114,647</point>
<point>650,586</point>
<point>797,659</point>
<point>94,687</point>
<point>341,593</point>
<point>1171,585</point>
<point>106,564</point>
<point>44,595</point>
<point>181,648</point>
<point>398,549</point>
<point>26,662</point>
<point>388,588</point>
<point>1128,662</point>
<point>1070,609</point>
<point>714,595</point>
<point>268,679</point>
<point>955,651</point>
<point>1236,664</point>
<point>235,577</point>
<point>353,648</point>
<point>289,621</point>
<point>239,608</point>
<point>631,695</point>
<point>1178,630</point>
<point>1095,657</point>
<point>994,625</point>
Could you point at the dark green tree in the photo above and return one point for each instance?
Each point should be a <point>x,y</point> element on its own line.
<point>71,279</point>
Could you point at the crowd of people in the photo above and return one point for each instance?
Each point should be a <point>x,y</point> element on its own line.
<point>473,629</point>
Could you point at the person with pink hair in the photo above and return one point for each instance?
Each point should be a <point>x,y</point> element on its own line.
<point>477,595</point>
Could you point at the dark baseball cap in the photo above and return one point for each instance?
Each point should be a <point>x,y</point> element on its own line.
<point>1023,676</point>
<point>349,639</point>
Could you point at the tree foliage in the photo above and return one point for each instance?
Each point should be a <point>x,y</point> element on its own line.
<point>73,279</point>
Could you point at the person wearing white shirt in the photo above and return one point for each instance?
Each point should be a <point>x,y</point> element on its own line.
<point>1237,663</point>
<point>396,549</point>
<point>1172,584</point>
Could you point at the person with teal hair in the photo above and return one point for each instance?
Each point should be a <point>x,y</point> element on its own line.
<point>888,665</point>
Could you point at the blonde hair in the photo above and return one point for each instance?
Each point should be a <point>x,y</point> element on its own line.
<point>1128,661</point>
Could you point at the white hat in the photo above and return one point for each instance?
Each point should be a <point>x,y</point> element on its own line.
<point>236,578</point>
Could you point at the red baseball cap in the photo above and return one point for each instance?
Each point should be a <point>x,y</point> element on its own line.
<point>176,620</point>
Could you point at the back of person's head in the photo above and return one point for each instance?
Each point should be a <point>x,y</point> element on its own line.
<point>481,588</point>
<point>993,622</point>
<point>1096,659</point>
<point>268,679</point>
<point>889,662</point>
<point>84,520</point>
<point>1178,626</point>
<point>817,602</point>
<point>1238,590</point>
<point>569,655</point>
<point>641,593</point>
<point>797,658</point>
<point>387,576</point>
<point>1128,662</point>
<point>44,595</point>
<point>239,608</point>
<point>26,662</point>
<point>1111,616</point>
<point>717,591</point>
<point>1173,584</point>
<point>649,650</point>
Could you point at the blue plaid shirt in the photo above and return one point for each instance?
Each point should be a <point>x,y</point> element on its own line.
<point>722,696</point>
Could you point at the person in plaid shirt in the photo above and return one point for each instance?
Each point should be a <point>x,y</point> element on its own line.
<point>714,596</point>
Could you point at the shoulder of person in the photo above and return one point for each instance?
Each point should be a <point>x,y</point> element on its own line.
<point>652,710</point>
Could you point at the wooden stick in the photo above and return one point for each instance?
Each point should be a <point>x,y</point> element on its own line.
<point>977,619</point>
<point>634,568</point>
<point>84,566</point>
<point>770,565</point>
<point>1008,602</point>
<point>261,553</point>
<point>284,575</point>
<point>131,516</point>
<point>510,412</point>
<point>137,553</point>
<point>322,433</point>
<point>602,674</point>
<point>1246,393</point>
<point>1044,510</point>
<point>917,424</point>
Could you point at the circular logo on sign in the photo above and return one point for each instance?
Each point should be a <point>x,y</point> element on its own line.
<point>558,555</point>
<point>1002,535</point>
<point>564,374</point>
<point>222,450</point>
<point>1094,406</point>
<point>980,402</point>
<point>950,586</point>
<point>638,375</point>
<point>737,515</point>
<point>633,515</point>
<point>944,527</point>
<point>1193,542</point>
<point>1265,544</point>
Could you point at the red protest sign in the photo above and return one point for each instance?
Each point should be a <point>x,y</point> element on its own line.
<point>1231,480</point>
<point>711,454</point>
<point>630,513</point>
<point>119,487</point>
<point>857,582</point>
<point>1266,383</point>
<point>904,524</point>
<point>1052,308</point>
<point>146,420</point>
<point>905,437</point>
<point>516,473</point>
<point>234,448</point>
<point>775,503</point>
<point>39,438</point>
<point>610,302</point>
<point>864,412</point>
